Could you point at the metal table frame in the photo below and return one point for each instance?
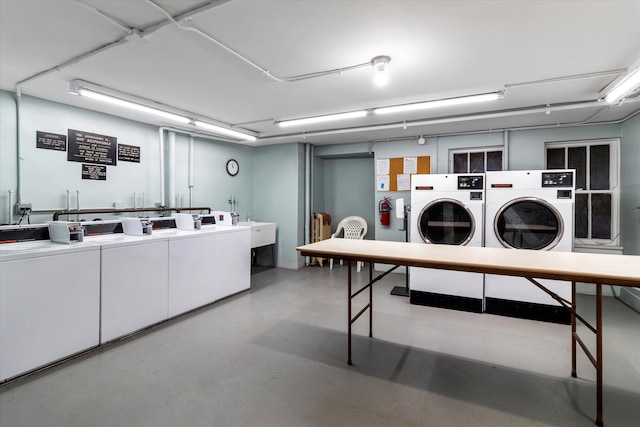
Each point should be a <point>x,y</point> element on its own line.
<point>626,279</point>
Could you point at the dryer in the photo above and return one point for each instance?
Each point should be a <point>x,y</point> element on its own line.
<point>529,210</point>
<point>447,209</point>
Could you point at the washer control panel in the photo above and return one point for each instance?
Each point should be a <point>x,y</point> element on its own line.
<point>470,182</point>
<point>557,179</point>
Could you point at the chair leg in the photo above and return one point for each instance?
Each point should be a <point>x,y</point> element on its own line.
<point>358,265</point>
<point>330,263</point>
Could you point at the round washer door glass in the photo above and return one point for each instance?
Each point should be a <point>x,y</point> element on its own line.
<point>446,221</point>
<point>528,223</point>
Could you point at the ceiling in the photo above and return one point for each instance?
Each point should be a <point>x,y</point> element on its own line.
<point>229,62</point>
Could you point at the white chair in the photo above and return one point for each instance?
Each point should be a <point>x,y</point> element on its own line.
<point>352,227</point>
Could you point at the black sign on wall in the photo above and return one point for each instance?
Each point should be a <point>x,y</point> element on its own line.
<point>95,172</point>
<point>51,141</point>
<point>91,148</point>
<point>128,153</point>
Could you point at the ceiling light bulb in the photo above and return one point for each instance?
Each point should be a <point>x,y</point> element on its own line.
<point>379,64</point>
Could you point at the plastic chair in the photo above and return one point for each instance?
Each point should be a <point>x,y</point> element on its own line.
<point>352,227</point>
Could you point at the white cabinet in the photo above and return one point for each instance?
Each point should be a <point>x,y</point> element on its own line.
<point>57,300</point>
<point>135,284</point>
<point>232,262</point>
<point>49,304</point>
<point>207,265</point>
<point>191,271</point>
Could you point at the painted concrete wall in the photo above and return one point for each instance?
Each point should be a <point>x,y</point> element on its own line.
<point>347,190</point>
<point>46,175</point>
<point>630,186</point>
<point>278,178</point>
<point>270,185</point>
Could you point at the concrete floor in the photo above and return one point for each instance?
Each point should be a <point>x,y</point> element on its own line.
<point>276,356</point>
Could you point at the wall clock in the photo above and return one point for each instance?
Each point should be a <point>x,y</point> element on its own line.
<point>233,167</point>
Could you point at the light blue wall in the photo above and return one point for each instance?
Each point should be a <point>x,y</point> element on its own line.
<point>270,185</point>
<point>630,186</point>
<point>347,190</point>
<point>8,157</point>
<point>279,197</point>
<point>46,174</point>
<point>526,148</point>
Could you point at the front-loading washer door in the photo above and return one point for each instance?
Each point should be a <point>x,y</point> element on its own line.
<point>528,223</point>
<point>446,221</point>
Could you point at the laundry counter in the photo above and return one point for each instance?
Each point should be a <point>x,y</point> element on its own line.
<point>60,299</point>
<point>49,303</point>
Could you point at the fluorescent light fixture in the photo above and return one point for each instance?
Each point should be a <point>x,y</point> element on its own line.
<point>322,119</point>
<point>131,105</point>
<point>224,131</point>
<point>625,87</point>
<point>485,97</point>
<point>77,88</point>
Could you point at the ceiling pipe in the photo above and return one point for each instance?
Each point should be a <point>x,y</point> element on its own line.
<point>176,21</point>
<point>565,78</point>
<point>110,18</point>
<point>520,128</point>
<point>441,120</point>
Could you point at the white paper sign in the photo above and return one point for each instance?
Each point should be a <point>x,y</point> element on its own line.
<point>404,182</point>
<point>382,183</point>
<point>410,165</point>
<point>382,167</point>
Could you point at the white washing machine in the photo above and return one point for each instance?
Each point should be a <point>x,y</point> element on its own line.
<point>447,209</point>
<point>529,210</point>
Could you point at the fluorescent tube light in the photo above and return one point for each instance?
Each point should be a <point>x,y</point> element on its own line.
<point>132,105</point>
<point>322,119</point>
<point>439,103</point>
<point>224,131</point>
<point>78,88</point>
<point>624,87</point>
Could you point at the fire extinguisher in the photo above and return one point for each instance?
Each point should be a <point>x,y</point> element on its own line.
<point>384,208</point>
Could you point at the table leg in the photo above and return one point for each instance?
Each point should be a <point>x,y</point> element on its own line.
<point>574,371</point>
<point>599,420</point>
<point>370,300</point>
<point>349,310</point>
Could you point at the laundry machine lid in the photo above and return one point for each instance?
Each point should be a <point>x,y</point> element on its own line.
<point>446,221</point>
<point>528,223</point>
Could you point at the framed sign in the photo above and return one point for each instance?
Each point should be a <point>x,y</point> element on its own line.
<point>93,148</point>
<point>51,141</point>
<point>95,172</point>
<point>128,153</point>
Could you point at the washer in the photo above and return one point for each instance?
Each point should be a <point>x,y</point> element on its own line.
<point>529,210</point>
<point>447,209</point>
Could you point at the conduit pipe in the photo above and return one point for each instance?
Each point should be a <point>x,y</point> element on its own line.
<point>171,168</point>
<point>307,193</point>
<point>10,207</point>
<point>505,148</point>
<point>263,70</point>
<point>190,169</point>
<point>443,120</point>
<point>513,129</point>
<point>58,214</point>
<point>162,174</point>
<point>18,145</point>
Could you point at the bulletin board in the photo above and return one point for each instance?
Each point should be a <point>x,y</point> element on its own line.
<point>394,174</point>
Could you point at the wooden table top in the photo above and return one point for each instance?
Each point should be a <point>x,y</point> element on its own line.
<point>605,269</point>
